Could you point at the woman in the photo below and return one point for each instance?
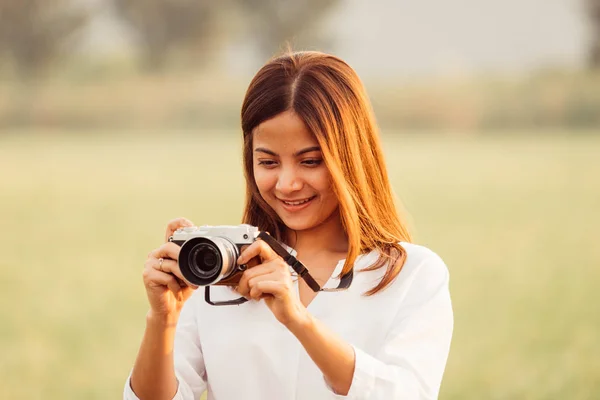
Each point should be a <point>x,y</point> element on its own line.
<point>316,180</point>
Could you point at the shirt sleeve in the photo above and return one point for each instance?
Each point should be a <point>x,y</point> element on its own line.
<point>411,362</point>
<point>187,358</point>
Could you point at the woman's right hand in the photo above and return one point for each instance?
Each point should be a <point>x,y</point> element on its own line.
<point>165,286</point>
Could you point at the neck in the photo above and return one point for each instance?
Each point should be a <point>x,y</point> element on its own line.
<point>328,237</point>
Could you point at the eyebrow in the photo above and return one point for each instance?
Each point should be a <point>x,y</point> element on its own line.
<point>298,153</point>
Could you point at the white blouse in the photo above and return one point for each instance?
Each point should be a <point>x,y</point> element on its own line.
<point>401,338</point>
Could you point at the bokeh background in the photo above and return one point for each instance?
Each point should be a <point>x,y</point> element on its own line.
<point>119,115</point>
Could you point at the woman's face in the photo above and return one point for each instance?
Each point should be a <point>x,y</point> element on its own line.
<point>290,172</point>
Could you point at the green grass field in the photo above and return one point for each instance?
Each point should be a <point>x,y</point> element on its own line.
<point>514,217</point>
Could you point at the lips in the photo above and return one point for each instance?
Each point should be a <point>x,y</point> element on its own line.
<point>296,204</point>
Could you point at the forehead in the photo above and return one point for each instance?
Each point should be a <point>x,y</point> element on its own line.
<point>285,131</point>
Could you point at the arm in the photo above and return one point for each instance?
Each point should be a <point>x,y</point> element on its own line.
<point>169,363</point>
<point>153,375</point>
<point>410,363</point>
<point>334,357</point>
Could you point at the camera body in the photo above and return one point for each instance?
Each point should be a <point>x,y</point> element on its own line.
<point>243,234</point>
<point>209,254</point>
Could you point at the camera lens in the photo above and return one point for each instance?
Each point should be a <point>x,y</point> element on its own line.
<point>209,259</point>
<point>204,260</point>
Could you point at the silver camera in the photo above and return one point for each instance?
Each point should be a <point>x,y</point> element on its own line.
<point>209,254</point>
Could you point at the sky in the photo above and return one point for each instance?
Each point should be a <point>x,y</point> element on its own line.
<point>427,37</point>
<point>463,36</point>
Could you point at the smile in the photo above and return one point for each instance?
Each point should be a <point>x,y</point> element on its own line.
<point>294,204</point>
<point>298,202</point>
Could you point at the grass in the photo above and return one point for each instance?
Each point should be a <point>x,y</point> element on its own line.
<point>514,217</point>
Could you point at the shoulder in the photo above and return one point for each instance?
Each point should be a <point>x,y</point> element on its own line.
<point>420,289</point>
<point>423,273</point>
<point>419,260</point>
<point>421,270</point>
<point>423,259</point>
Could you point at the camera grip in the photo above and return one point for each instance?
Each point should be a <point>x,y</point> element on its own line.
<point>234,279</point>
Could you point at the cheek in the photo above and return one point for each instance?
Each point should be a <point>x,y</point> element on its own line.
<point>265,181</point>
<point>321,181</point>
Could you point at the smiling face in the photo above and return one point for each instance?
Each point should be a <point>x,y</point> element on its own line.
<point>290,173</point>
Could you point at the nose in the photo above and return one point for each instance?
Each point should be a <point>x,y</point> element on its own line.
<point>288,181</point>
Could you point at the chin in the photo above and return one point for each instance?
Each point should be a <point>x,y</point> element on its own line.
<point>297,225</point>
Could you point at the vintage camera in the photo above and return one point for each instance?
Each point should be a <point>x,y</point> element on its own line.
<point>208,254</point>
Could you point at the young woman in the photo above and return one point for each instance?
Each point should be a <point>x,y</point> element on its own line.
<point>317,182</point>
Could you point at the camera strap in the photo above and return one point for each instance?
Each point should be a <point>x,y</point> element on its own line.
<point>293,262</point>
<point>300,269</point>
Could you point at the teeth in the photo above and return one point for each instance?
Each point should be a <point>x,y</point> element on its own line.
<point>297,203</point>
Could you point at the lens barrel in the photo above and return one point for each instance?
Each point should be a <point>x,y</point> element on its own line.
<point>206,260</point>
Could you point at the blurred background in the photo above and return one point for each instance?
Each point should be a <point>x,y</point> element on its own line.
<point>119,115</point>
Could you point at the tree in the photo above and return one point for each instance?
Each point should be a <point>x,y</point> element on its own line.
<point>162,26</point>
<point>33,33</point>
<point>275,22</point>
<point>594,16</point>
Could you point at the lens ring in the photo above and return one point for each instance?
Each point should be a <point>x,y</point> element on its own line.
<point>198,258</point>
<point>205,260</point>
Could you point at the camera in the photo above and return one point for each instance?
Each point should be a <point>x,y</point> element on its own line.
<point>209,254</point>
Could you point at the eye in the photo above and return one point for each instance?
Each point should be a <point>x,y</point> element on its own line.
<point>312,162</point>
<point>267,163</point>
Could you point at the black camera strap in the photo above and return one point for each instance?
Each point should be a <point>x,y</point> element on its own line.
<point>296,265</point>
<point>300,269</point>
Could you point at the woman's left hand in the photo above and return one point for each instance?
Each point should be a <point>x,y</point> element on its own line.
<point>271,280</point>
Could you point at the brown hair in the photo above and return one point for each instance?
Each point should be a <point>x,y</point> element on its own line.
<point>327,94</point>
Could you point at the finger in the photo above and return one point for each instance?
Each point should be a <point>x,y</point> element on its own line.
<point>272,267</point>
<point>157,278</point>
<point>175,224</point>
<point>167,250</point>
<point>257,249</point>
<point>255,293</point>
<point>187,291</point>
<point>185,284</point>
<point>168,266</point>
<point>262,269</point>
<point>272,276</point>
<point>267,287</point>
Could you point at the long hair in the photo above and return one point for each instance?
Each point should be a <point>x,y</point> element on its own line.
<point>327,94</point>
